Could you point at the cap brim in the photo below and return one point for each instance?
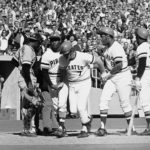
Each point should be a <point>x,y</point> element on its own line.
<point>55,38</point>
<point>32,39</point>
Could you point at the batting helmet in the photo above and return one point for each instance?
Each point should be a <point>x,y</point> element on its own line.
<point>107,31</point>
<point>142,33</point>
<point>65,47</point>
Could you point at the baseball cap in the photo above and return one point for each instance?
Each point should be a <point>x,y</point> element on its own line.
<point>55,37</point>
<point>107,31</point>
<point>33,38</point>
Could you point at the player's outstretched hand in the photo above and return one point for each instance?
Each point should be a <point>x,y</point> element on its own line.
<point>138,85</point>
<point>105,76</point>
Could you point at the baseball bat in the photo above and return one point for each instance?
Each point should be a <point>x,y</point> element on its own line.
<point>133,114</point>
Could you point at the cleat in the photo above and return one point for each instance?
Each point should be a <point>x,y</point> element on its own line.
<point>88,125</point>
<point>61,132</point>
<point>83,134</point>
<point>145,132</point>
<point>133,132</point>
<point>101,132</point>
<point>29,134</point>
<point>47,132</point>
<point>54,131</point>
<point>39,132</point>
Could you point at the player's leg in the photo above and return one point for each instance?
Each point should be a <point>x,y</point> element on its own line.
<point>82,106</point>
<point>62,109</point>
<point>46,113</point>
<point>72,99</point>
<point>26,115</point>
<point>37,118</point>
<point>145,100</point>
<point>123,84</point>
<point>31,113</point>
<point>108,90</point>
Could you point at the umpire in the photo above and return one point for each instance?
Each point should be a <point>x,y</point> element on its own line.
<point>25,59</point>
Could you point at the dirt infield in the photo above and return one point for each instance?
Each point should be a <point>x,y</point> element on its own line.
<point>115,140</point>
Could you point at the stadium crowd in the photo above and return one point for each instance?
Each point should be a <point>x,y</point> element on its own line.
<point>76,21</point>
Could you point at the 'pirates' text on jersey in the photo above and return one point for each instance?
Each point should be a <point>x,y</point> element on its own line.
<point>78,68</point>
<point>50,61</point>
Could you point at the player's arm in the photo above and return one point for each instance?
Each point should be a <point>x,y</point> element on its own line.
<point>26,66</point>
<point>117,68</point>
<point>14,62</point>
<point>46,82</point>
<point>62,74</point>
<point>26,76</point>
<point>45,78</point>
<point>141,67</point>
<point>142,57</point>
<point>98,63</point>
<point>140,71</point>
<point>62,78</point>
<point>114,71</point>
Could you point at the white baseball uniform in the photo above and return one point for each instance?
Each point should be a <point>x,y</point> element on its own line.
<point>79,82</point>
<point>50,61</point>
<point>120,82</point>
<point>143,50</point>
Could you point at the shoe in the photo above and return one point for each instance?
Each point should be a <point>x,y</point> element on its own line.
<point>29,134</point>
<point>39,132</point>
<point>61,132</point>
<point>54,131</point>
<point>101,132</point>
<point>88,125</point>
<point>133,132</point>
<point>145,132</point>
<point>47,132</point>
<point>83,134</point>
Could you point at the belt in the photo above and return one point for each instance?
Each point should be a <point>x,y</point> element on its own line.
<point>54,73</point>
<point>147,67</point>
<point>80,80</point>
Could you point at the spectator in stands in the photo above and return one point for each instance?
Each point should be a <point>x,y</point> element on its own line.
<point>4,41</point>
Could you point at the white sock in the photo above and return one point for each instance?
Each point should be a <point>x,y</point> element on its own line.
<point>84,128</point>
<point>102,125</point>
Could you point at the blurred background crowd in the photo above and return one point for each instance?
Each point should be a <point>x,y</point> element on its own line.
<point>74,20</point>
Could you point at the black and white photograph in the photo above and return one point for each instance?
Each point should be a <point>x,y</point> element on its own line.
<point>74,74</point>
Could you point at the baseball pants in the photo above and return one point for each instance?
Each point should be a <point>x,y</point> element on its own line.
<point>78,99</point>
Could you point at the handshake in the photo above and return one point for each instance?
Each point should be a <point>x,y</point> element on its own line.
<point>105,76</point>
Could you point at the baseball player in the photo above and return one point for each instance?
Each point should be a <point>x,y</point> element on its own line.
<point>117,79</point>
<point>77,65</point>
<point>59,90</point>
<point>26,57</point>
<point>142,79</point>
